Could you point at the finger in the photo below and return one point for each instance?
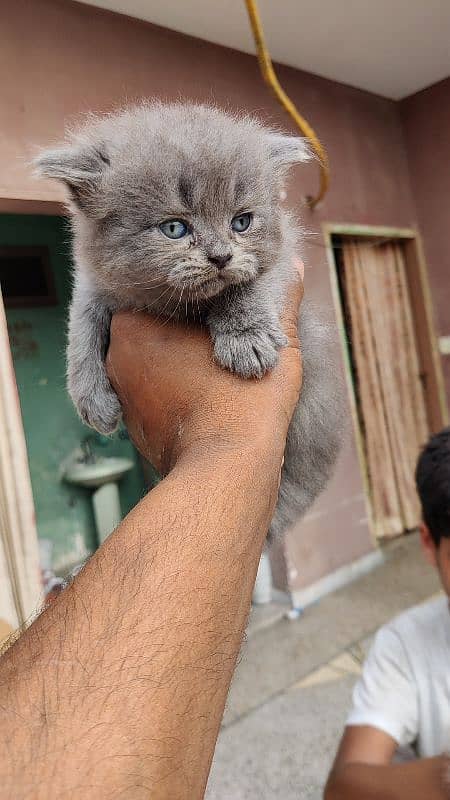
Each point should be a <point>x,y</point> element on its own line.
<point>298,263</point>
<point>294,295</point>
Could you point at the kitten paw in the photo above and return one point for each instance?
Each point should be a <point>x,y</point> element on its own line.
<point>251,353</point>
<point>100,411</point>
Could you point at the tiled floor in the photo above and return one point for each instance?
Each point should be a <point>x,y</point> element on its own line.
<point>292,689</point>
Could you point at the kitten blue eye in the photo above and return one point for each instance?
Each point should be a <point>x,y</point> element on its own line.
<point>174,228</point>
<point>241,222</point>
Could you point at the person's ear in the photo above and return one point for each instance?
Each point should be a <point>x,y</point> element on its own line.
<point>429,547</point>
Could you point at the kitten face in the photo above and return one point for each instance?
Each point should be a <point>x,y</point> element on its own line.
<point>176,200</point>
<point>172,221</point>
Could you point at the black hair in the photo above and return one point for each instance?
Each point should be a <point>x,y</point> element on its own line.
<point>433,485</point>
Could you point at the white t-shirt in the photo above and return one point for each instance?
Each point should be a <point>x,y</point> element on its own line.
<point>404,689</point>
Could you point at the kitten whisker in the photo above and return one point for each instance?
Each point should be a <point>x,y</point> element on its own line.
<point>161,313</point>
<point>137,284</point>
<point>198,306</point>
<point>172,315</point>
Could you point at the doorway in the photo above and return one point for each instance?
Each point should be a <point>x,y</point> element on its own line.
<point>35,275</point>
<point>393,369</point>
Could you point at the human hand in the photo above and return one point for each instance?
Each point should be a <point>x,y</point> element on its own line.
<point>174,396</point>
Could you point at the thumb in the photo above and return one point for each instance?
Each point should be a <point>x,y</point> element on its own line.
<point>294,296</point>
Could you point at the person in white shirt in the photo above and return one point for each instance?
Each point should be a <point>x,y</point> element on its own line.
<point>402,699</point>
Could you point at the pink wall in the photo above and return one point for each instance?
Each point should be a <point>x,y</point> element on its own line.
<point>63,58</point>
<point>426,124</point>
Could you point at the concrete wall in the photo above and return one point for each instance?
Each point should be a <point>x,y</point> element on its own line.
<point>52,428</point>
<point>75,59</point>
<point>426,124</point>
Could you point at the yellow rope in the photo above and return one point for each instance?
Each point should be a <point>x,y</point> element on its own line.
<point>269,75</point>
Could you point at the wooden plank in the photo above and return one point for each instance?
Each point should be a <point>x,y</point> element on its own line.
<point>349,377</point>
<point>386,509</point>
<point>18,527</point>
<point>8,601</point>
<point>422,311</point>
<point>405,347</point>
<point>408,388</point>
<point>411,390</point>
<point>400,349</point>
<point>389,384</point>
<point>379,310</point>
<point>412,363</point>
<point>368,232</point>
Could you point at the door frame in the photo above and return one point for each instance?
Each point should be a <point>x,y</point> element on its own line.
<point>422,309</point>
<point>19,546</point>
<point>19,550</point>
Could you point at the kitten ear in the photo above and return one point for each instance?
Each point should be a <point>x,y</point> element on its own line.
<point>287,150</point>
<point>80,167</point>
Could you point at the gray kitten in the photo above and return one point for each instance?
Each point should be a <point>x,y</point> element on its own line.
<point>176,210</point>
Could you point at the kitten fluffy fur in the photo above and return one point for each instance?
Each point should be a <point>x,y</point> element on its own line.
<point>129,172</point>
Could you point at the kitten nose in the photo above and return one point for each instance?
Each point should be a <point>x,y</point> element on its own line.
<point>220,261</point>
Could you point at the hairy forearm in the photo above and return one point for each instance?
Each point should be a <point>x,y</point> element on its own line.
<point>127,672</point>
<point>416,780</point>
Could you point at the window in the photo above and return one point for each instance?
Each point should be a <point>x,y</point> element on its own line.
<point>26,277</point>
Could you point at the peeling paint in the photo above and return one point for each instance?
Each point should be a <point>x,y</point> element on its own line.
<point>21,340</point>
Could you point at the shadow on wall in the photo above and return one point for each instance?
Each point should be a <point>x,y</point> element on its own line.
<point>52,428</point>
